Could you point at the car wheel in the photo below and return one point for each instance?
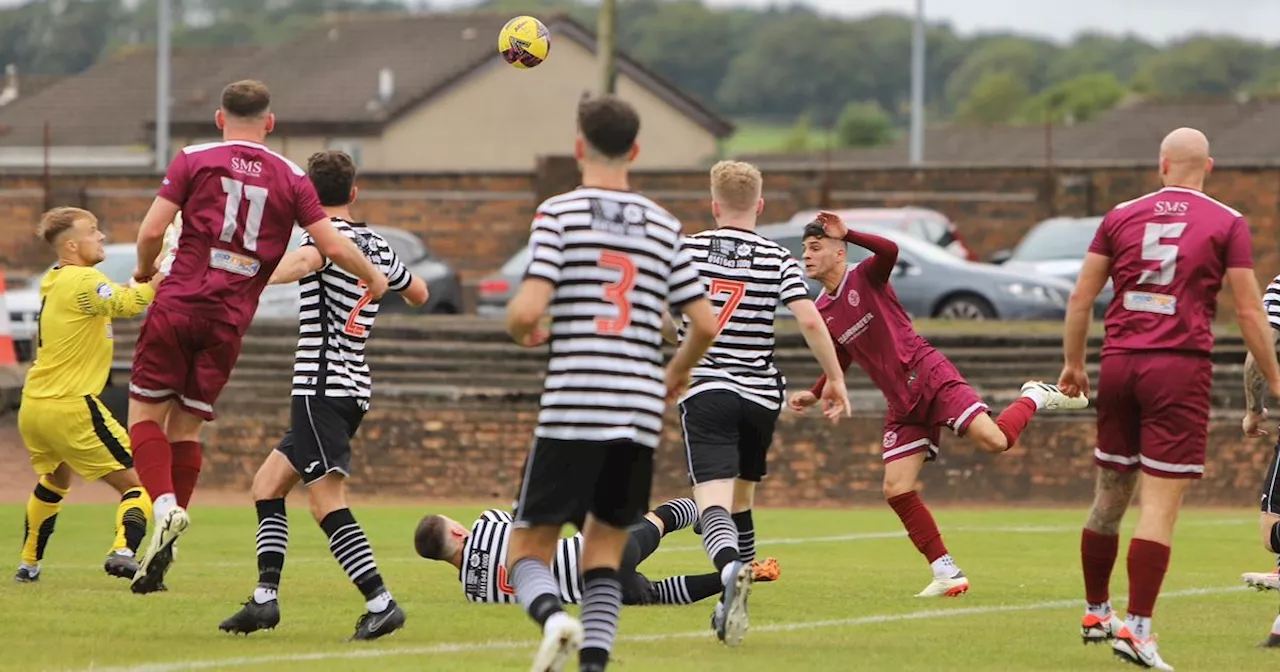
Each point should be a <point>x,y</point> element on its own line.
<point>964,307</point>
<point>444,309</point>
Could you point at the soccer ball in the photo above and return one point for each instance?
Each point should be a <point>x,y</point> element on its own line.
<point>524,42</point>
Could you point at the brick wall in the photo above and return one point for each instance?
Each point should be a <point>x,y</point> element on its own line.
<point>473,448</point>
<point>477,221</point>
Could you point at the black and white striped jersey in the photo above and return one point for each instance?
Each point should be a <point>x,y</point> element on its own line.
<point>336,316</point>
<point>1271,301</point>
<point>746,277</point>
<point>484,562</point>
<point>616,261</point>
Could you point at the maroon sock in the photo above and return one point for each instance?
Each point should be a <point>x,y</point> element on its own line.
<point>1148,562</point>
<point>187,460</point>
<point>1098,556</point>
<point>1014,419</point>
<point>920,525</point>
<point>153,458</point>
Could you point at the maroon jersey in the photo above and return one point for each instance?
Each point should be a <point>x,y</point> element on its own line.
<point>870,327</point>
<point>239,203</point>
<point>1169,251</point>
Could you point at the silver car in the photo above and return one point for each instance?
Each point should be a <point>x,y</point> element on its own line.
<point>933,283</point>
<point>1056,248</point>
<point>930,281</point>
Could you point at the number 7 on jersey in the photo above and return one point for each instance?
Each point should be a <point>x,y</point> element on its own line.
<point>736,290</point>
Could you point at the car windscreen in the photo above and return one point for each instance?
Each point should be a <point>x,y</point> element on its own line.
<point>1057,239</point>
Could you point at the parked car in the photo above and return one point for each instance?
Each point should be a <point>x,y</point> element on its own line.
<point>277,301</point>
<point>931,282</point>
<point>1056,248</point>
<point>927,225</point>
<point>497,288</point>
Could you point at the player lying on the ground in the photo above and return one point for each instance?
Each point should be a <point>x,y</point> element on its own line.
<point>923,389</point>
<point>480,555</point>
<point>1255,391</point>
<point>239,202</point>
<point>731,409</point>
<point>331,393</point>
<point>63,423</point>
<point>1166,254</point>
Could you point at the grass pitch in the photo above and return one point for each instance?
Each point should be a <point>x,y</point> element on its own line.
<point>844,601</point>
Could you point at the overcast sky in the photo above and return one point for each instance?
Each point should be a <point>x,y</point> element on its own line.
<point>1158,20</point>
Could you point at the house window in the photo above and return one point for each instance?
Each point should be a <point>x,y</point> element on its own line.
<point>352,147</point>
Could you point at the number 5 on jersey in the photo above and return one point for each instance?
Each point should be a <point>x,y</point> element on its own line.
<point>616,293</point>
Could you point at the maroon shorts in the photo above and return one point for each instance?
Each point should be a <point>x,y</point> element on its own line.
<point>183,357</point>
<point>943,399</point>
<point>1153,412</point>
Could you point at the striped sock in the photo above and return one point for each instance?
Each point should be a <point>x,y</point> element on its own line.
<point>349,545</point>
<point>688,589</point>
<point>131,520</point>
<point>676,514</point>
<point>719,536</point>
<point>42,517</point>
<point>746,535</point>
<point>536,589</point>
<point>273,541</point>
<point>601,607</point>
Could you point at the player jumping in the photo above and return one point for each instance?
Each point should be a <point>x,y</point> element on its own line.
<point>1166,254</point>
<point>730,411</point>
<point>63,423</point>
<point>331,392</point>
<point>606,262</point>
<point>479,554</point>
<point>239,202</point>
<point>1255,390</point>
<point>923,389</point>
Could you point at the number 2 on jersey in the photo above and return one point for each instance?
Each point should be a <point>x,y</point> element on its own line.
<point>352,327</point>
<point>1154,250</point>
<point>616,293</point>
<point>238,191</point>
<point>736,291</point>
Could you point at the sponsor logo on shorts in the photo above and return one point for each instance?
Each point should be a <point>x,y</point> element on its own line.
<point>104,290</point>
<point>854,299</point>
<point>234,263</point>
<point>890,439</point>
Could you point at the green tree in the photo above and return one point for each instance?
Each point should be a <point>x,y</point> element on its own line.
<point>1077,99</point>
<point>1092,53</point>
<point>686,42</point>
<point>1201,66</point>
<point>799,137</point>
<point>864,124</point>
<point>995,99</point>
<point>1018,58</point>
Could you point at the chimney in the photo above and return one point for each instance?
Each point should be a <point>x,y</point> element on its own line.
<point>9,93</point>
<point>386,86</point>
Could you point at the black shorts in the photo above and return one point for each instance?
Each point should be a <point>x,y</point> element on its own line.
<point>565,480</point>
<point>319,438</point>
<point>726,436</point>
<point>1270,487</point>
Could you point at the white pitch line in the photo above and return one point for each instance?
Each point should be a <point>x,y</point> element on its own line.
<point>765,543</point>
<point>469,647</point>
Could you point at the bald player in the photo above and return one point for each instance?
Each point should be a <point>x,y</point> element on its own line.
<point>1167,254</point>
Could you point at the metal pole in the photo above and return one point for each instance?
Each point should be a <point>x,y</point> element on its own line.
<point>164,24</point>
<point>917,86</point>
<point>606,25</point>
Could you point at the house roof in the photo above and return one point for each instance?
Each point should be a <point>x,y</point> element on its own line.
<point>105,105</point>
<point>1238,131</point>
<point>426,54</point>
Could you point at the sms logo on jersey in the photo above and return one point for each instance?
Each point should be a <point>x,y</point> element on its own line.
<point>854,299</point>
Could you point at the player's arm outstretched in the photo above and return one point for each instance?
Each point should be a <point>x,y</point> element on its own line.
<point>97,296</point>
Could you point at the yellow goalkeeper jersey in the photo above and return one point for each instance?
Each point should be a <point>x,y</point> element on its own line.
<point>74,345</point>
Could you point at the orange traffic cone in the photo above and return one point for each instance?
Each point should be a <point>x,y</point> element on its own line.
<point>8,354</point>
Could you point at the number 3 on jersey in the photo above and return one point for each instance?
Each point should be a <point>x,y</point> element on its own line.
<point>736,291</point>
<point>616,293</point>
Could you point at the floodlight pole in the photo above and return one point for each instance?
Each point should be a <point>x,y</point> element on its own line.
<point>606,30</point>
<point>164,25</point>
<point>917,86</point>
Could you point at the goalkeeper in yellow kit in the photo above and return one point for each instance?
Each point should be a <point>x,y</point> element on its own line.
<point>63,423</point>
